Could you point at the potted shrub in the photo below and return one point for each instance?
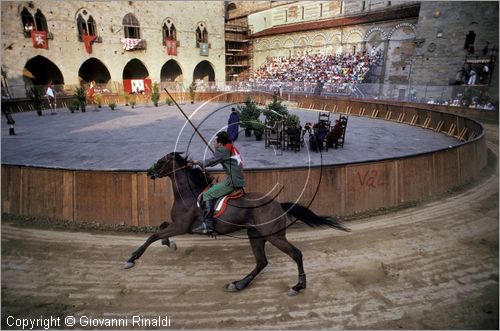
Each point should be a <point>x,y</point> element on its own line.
<point>80,96</point>
<point>35,94</point>
<point>192,91</point>
<point>293,121</point>
<point>112,105</point>
<point>132,103</point>
<point>155,96</point>
<point>275,111</point>
<point>127,99</point>
<point>74,105</point>
<point>249,113</point>
<point>168,101</point>
<point>98,100</point>
<point>258,128</point>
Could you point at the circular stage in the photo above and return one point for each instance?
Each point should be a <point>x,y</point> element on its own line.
<point>132,139</point>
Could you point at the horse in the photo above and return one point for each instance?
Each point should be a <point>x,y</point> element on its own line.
<point>264,219</point>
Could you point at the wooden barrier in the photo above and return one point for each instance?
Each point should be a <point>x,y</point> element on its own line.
<point>124,197</point>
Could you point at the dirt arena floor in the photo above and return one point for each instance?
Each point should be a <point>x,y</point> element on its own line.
<point>430,266</point>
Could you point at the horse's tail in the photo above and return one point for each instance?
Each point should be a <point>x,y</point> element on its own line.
<point>310,218</point>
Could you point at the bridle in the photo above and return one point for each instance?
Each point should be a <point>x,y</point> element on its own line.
<point>162,169</point>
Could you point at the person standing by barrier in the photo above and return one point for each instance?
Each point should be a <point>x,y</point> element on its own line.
<point>51,97</point>
<point>233,124</point>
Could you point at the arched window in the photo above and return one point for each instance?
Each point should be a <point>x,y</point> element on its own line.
<point>168,30</point>
<point>131,27</point>
<point>27,21</point>
<point>85,24</point>
<point>201,34</point>
<point>40,21</point>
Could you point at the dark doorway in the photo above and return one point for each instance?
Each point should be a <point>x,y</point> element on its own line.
<point>40,71</point>
<point>135,69</point>
<point>204,71</point>
<point>94,70</point>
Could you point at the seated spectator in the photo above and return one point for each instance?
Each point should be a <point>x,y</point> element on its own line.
<point>334,135</point>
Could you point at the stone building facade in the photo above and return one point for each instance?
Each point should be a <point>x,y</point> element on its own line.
<point>422,41</point>
<point>67,62</point>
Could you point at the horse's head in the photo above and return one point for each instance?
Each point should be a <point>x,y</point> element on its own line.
<point>166,165</point>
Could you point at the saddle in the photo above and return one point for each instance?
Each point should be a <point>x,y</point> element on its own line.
<point>221,203</point>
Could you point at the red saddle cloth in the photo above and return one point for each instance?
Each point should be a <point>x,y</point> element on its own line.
<point>221,203</point>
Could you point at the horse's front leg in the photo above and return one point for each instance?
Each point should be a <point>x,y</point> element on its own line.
<point>165,232</point>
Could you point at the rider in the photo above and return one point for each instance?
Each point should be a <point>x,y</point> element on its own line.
<point>227,155</point>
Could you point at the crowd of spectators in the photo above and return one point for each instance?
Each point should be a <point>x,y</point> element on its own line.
<point>324,68</point>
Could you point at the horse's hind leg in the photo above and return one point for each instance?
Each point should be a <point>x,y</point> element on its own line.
<point>257,242</point>
<point>284,245</point>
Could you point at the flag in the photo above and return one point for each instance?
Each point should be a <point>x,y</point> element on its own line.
<point>204,49</point>
<point>39,39</point>
<point>87,40</point>
<point>91,89</point>
<point>171,47</point>
<point>131,43</point>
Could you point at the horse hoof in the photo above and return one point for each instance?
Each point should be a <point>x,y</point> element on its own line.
<point>231,288</point>
<point>292,292</point>
<point>128,265</point>
<point>173,245</point>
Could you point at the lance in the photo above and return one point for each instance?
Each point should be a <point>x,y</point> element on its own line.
<point>187,118</point>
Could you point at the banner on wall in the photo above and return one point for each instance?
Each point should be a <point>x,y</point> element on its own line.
<point>171,46</point>
<point>204,49</point>
<point>39,39</point>
<point>87,40</point>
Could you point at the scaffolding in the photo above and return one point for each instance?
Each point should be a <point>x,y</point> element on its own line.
<point>239,53</point>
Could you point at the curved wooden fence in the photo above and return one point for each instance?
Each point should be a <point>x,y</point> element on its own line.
<point>130,197</point>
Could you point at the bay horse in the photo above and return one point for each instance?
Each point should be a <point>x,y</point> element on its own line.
<point>264,218</point>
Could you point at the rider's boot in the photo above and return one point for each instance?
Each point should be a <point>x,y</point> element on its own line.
<point>207,226</point>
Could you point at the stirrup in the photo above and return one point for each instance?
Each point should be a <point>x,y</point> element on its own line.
<point>203,229</point>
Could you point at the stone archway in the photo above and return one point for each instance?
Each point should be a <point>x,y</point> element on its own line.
<point>171,75</point>
<point>204,71</point>
<point>94,70</point>
<point>40,71</point>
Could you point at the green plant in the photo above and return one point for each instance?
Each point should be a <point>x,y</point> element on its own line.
<point>155,96</point>
<point>112,105</point>
<point>168,101</point>
<point>98,99</point>
<point>192,91</point>
<point>35,95</point>
<point>81,97</point>
<point>275,111</point>
<point>293,121</point>
<point>132,103</point>
<point>249,113</point>
<point>127,99</point>
<point>74,105</point>
<point>258,128</point>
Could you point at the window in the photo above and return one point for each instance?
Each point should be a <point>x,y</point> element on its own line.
<point>85,24</point>
<point>40,21</point>
<point>168,30</point>
<point>201,34</point>
<point>131,27</point>
<point>27,21</point>
<point>37,22</point>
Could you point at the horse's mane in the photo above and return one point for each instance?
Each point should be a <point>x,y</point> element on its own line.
<point>196,176</point>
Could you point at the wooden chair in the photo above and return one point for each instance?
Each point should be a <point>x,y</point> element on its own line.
<point>343,123</point>
<point>336,136</point>
<point>274,135</point>
<point>293,137</point>
<point>324,117</point>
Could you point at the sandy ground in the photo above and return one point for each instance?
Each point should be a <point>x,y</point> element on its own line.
<point>432,266</point>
